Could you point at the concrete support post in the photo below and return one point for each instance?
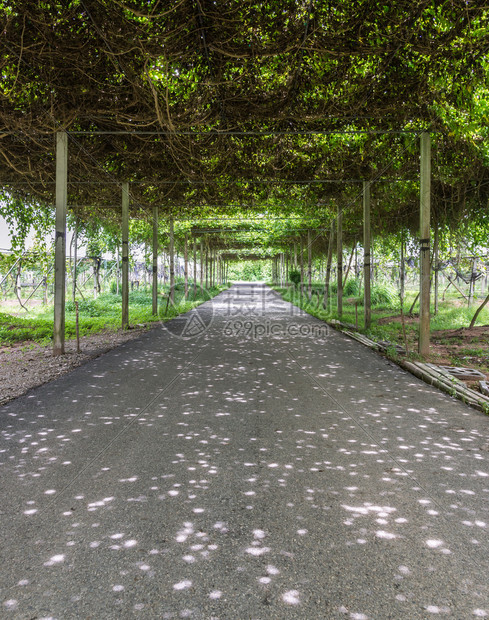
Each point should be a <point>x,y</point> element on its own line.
<point>309,265</point>
<point>424,292</point>
<point>185,258</point>
<point>172,262</point>
<point>60,242</point>
<point>155,260</point>
<point>301,257</point>
<point>195,267</point>
<point>402,270</point>
<point>207,265</point>
<point>436,265</point>
<point>75,259</point>
<point>326,298</point>
<point>339,259</point>
<point>201,266</point>
<point>367,310</point>
<point>212,267</point>
<point>125,255</point>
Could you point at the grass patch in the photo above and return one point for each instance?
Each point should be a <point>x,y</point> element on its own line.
<point>450,317</point>
<point>96,315</point>
<point>385,303</point>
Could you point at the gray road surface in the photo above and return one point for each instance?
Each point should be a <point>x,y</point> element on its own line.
<point>263,469</point>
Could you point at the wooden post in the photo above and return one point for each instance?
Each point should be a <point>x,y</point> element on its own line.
<point>367,310</point>
<point>155,260</point>
<point>339,259</point>
<point>125,255</point>
<point>172,261</point>
<point>60,242</point>
<point>425,195</point>
<point>77,327</point>
<point>472,281</point>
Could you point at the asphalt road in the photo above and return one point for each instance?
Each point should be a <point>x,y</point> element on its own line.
<point>243,462</point>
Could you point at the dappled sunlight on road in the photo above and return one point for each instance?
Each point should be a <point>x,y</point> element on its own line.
<point>261,477</point>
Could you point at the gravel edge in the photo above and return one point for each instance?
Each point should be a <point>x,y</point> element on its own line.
<point>29,365</point>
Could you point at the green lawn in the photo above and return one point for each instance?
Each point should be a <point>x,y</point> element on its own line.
<point>452,314</point>
<point>96,315</point>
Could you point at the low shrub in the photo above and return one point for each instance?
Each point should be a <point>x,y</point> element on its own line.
<point>295,277</point>
<point>351,289</point>
<point>140,298</point>
<point>88,307</point>
<point>113,288</point>
<point>384,295</point>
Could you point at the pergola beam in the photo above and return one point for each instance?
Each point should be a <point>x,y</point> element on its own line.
<point>244,133</point>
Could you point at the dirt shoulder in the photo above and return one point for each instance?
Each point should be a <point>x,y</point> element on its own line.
<point>28,364</point>
<point>463,347</point>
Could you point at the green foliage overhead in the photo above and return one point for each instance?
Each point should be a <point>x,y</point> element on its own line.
<point>243,93</point>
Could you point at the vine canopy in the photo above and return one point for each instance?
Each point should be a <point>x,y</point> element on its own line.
<point>235,106</point>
